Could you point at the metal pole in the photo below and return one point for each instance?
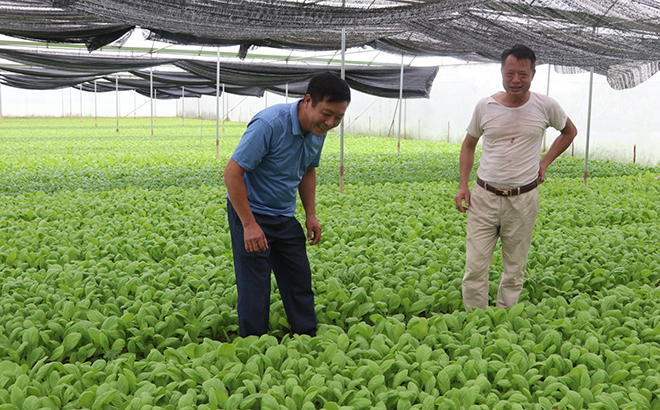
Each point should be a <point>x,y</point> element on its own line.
<point>96,117</point>
<point>217,107</point>
<point>117,98</point>
<point>151,99</point>
<point>398,147</point>
<point>547,92</point>
<point>80,103</point>
<point>286,93</point>
<point>225,107</point>
<point>70,105</point>
<point>183,105</point>
<point>405,117</point>
<point>341,126</point>
<point>0,103</point>
<point>586,153</point>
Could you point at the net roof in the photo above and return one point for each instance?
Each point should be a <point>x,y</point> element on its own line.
<point>619,38</point>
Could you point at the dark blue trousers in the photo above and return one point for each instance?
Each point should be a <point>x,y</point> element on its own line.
<point>286,256</point>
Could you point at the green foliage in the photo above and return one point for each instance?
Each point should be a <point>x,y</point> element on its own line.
<point>118,291</point>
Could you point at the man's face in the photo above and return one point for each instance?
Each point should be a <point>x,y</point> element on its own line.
<point>517,76</point>
<point>321,117</point>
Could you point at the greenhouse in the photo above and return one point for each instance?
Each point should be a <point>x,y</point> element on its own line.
<point>118,118</point>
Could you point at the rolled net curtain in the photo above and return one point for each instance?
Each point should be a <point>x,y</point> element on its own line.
<point>239,78</point>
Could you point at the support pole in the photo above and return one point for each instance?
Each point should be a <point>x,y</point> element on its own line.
<point>225,107</point>
<point>217,107</point>
<point>341,126</point>
<point>183,105</point>
<point>81,103</point>
<point>547,92</point>
<point>96,117</point>
<point>286,93</point>
<point>405,117</point>
<point>586,152</point>
<point>151,100</point>
<point>117,98</point>
<point>0,103</point>
<point>398,146</point>
<point>70,104</point>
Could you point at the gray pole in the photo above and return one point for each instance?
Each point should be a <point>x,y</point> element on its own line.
<point>183,105</point>
<point>0,102</point>
<point>217,107</point>
<point>117,98</point>
<point>151,99</point>
<point>225,107</point>
<point>547,92</point>
<point>96,117</point>
<point>286,93</point>
<point>405,117</point>
<point>586,153</point>
<point>81,102</point>
<point>341,125</point>
<point>398,147</point>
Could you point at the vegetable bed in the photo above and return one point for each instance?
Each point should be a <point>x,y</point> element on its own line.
<point>118,288</point>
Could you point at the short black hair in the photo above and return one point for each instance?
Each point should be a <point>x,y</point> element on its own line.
<point>520,52</point>
<point>328,87</point>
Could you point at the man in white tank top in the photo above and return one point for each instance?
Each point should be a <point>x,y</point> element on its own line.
<point>505,202</point>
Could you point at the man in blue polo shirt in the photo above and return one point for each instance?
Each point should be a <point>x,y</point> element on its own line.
<point>276,157</point>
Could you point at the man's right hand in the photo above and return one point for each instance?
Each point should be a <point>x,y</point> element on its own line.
<point>255,240</point>
<point>462,195</point>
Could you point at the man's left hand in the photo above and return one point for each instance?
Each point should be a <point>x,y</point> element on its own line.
<point>313,230</point>
<point>542,173</point>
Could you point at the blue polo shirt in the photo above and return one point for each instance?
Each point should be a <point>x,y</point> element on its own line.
<point>275,155</point>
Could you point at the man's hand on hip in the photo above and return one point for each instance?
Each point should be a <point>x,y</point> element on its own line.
<point>313,230</point>
<point>542,169</point>
<point>255,240</point>
<point>462,195</point>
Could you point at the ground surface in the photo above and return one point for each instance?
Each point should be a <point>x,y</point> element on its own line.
<point>118,288</point>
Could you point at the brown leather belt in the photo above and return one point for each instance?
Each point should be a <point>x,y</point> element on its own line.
<point>511,191</point>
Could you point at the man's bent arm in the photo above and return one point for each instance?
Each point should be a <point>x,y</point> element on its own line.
<point>465,165</point>
<point>255,240</point>
<point>561,143</point>
<point>307,190</point>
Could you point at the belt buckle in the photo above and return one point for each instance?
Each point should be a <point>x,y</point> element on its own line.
<point>506,192</point>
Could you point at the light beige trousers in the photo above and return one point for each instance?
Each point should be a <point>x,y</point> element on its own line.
<point>491,217</point>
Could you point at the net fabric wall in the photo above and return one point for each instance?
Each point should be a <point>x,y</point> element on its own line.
<point>619,38</point>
